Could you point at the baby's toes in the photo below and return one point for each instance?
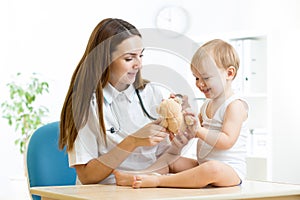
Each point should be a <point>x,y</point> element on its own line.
<point>137,182</point>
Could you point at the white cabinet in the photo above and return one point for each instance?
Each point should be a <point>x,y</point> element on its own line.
<point>252,75</point>
<point>252,83</point>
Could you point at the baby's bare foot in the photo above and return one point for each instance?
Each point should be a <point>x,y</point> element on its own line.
<point>124,179</point>
<point>146,181</point>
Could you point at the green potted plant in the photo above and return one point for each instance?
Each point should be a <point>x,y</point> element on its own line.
<point>21,110</point>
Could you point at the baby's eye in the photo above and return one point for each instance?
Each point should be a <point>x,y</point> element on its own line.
<point>141,55</point>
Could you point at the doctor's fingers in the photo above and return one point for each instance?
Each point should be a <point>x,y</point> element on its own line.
<point>157,121</point>
<point>151,131</point>
<point>181,139</point>
<point>157,136</point>
<point>150,140</point>
<point>155,139</point>
<point>156,125</point>
<point>157,129</point>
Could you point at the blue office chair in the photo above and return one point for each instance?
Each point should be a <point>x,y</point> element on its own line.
<point>46,164</point>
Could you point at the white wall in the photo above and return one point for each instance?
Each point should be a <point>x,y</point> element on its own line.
<point>49,37</point>
<point>285,105</point>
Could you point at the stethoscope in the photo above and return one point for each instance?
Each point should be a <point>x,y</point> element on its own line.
<point>114,130</point>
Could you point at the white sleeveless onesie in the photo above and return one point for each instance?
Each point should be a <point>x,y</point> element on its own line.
<point>236,155</point>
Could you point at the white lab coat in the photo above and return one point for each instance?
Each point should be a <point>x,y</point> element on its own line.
<point>123,112</point>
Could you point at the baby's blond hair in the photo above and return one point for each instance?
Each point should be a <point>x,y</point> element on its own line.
<point>219,51</point>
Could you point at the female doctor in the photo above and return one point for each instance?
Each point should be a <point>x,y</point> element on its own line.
<point>105,120</point>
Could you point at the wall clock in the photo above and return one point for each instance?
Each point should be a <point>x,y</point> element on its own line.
<point>173,18</point>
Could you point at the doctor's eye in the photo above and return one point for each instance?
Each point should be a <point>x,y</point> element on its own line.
<point>128,59</point>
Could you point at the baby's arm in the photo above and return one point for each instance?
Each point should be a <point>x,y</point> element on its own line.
<point>235,115</point>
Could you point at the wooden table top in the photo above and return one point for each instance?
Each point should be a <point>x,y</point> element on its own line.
<point>248,190</point>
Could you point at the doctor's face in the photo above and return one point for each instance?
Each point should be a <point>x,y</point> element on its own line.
<point>127,61</point>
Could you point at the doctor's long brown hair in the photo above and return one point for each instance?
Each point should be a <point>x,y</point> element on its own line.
<point>90,76</point>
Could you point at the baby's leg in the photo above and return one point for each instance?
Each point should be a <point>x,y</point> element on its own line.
<point>211,172</point>
<point>225,175</point>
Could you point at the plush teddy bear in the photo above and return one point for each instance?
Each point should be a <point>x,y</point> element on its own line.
<point>172,117</point>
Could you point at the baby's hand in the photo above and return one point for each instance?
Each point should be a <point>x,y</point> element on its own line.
<point>191,121</point>
<point>184,101</point>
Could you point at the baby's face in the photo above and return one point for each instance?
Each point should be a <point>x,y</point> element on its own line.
<point>210,79</point>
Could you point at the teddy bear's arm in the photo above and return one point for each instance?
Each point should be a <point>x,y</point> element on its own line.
<point>164,123</point>
<point>174,124</point>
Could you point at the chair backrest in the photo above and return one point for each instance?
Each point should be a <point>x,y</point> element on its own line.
<point>46,164</point>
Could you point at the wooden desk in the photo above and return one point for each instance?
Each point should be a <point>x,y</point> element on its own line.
<point>248,190</point>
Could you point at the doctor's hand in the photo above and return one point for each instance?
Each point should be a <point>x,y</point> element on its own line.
<point>183,137</point>
<point>179,141</point>
<point>151,134</point>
